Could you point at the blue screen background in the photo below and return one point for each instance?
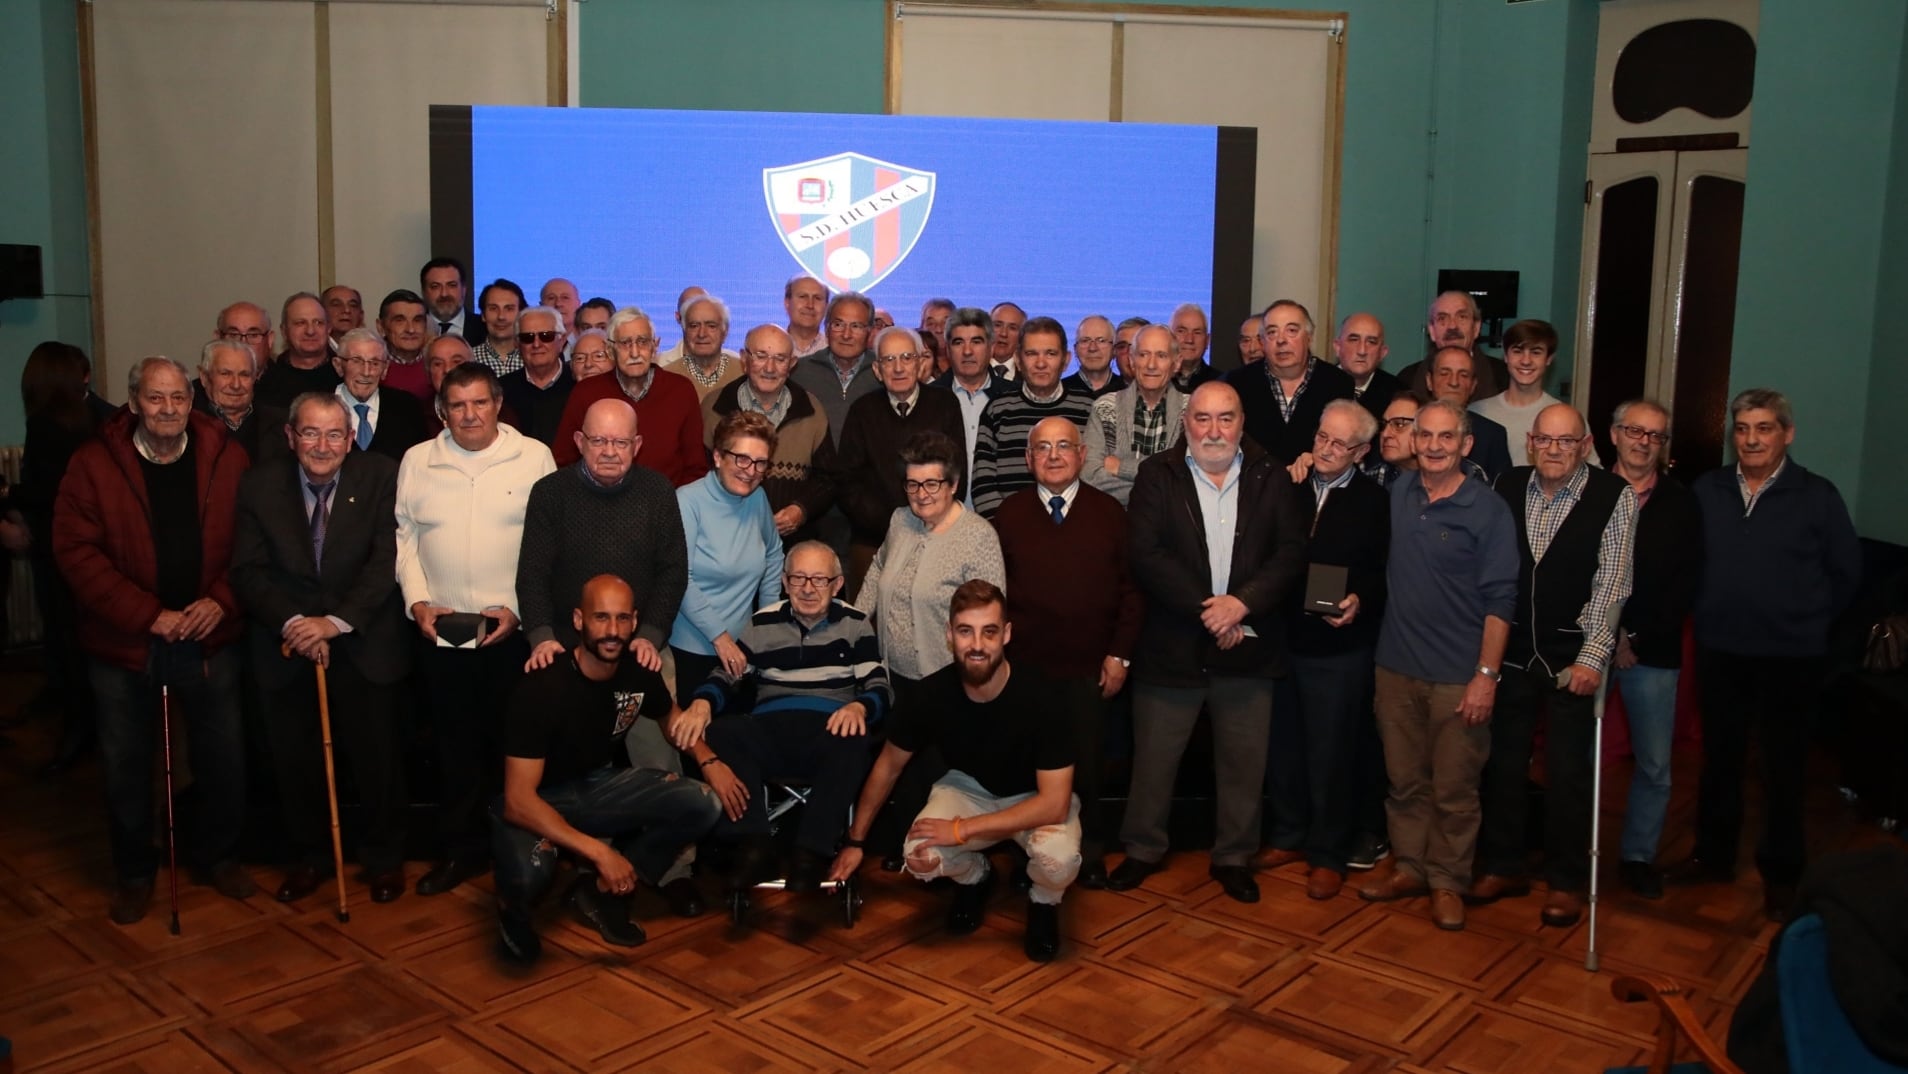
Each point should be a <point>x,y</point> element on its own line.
<point>1067,219</point>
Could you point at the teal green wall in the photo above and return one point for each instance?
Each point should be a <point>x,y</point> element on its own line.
<point>1883,511</point>
<point>1807,301</point>
<point>42,187</point>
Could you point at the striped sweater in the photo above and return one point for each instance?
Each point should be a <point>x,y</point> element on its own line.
<point>1000,448</point>
<point>808,669</point>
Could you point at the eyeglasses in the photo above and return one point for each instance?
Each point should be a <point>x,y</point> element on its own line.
<point>249,335</point>
<point>641,343</point>
<point>534,337</point>
<point>1400,424</point>
<point>932,486</point>
<point>852,326</point>
<point>745,463</point>
<point>1053,447</point>
<point>890,359</point>
<point>333,437</point>
<point>1637,432</point>
<point>1320,439</point>
<point>588,356</point>
<point>367,363</point>
<point>809,581</point>
<point>768,357</point>
<point>1091,341</point>
<point>618,442</point>
<point>1565,442</point>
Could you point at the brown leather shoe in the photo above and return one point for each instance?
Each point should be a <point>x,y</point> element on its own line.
<point>300,881</point>
<point>1323,883</point>
<point>1447,910</point>
<point>1394,885</point>
<point>1277,858</point>
<point>386,887</point>
<point>1562,909</point>
<point>1494,886</point>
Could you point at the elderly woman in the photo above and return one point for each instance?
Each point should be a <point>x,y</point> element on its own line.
<point>735,555</point>
<point>933,545</point>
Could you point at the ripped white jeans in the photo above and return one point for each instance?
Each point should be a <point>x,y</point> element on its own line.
<point>1053,850</point>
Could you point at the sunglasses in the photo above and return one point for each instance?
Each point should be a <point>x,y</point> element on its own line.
<point>532,337</point>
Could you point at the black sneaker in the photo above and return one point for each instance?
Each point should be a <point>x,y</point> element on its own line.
<point>1042,942</point>
<point>517,936</point>
<point>806,871</point>
<point>1642,879</point>
<point>607,914</point>
<point>1368,851</point>
<point>969,908</point>
<point>753,863</point>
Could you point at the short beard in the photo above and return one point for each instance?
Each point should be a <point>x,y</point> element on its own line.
<point>974,676</point>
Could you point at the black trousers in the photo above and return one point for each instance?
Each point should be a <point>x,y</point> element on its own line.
<point>912,788</point>
<point>794,746</point>
<point>1569,742</point>
<point>1772,698</point>
<point>469,690</point>
<point>1312,768</point>
<point>1086,710</point>
<point>364,740</point>
<point>692,670</point>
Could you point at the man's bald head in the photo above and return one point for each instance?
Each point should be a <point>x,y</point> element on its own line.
<point>610,417</point>
<point>607,589</point>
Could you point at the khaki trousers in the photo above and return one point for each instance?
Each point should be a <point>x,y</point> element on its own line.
<point>1433,761</point>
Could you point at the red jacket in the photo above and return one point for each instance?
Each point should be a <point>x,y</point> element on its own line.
<point>668,418</point>
<point>103,540</point>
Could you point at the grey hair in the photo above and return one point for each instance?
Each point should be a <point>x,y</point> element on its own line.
<point>1470,300</point>
<point>361,334</point>
<point>544,310</point>
<point>849,296</point>
<point>284,309</point>
<point>1304,314</point>
<point>626,315</point>
<point>138,372</point>
<point>215,346</point>
<point>1191,307</point>
<point>1463,415</point>
<point>915,344</point>
<point>1081,327</point>
<point>971,317</point>
<point>1763,399</point>
<point>1130,322</point>
<point>1623,410</point>
<point>1365,427</point>
<point>722,308</point>
<point>322,399</point>
<point>817,546</point>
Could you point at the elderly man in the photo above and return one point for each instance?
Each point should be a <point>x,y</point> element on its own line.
<point>1451,593</point>
<point>1008,320</point>
<point>445,289</point>
<point>1000,446</point>
<point>805,299</point>
<point>843,371</point>
<point>1360,349</point>
<point>1649,650</point>
<point>227,372</point>
<point>1781,561</point>
<point>568,782</point>
<point>344,310</point>
<point>1070,587</point>
<point>1218,543</point>
<point>879,424</point>
<point>315,565</point>
<point>1453,321</point>
<point>1574,572</point>
<point>539,390</point>
<point>970,376</point>
<point>1093,351</point>
<point>142,532</point>
<point>560,295</point>
<point>460,508</point>
<point>590,354</point>
<point>1123,335</point>
<point>665,404</point>
<point>441,355</point>
<point>1251,346</point>
<point>1285,394</point>
<point>383,419</point>
<point>814,665</point>
<point>1191,338</point>
<point>1321,711</point>
<point>934,315</point>
<point>247,323</point>
<point>672,357</point>
<point>1397,455</point>
<point>1137,421</point>
<point>1009,755</point>
<point>500,302</point>
<point>1450,375</point>
<point>802,475</point>
<point>402,319</point>
<point>305,366</point>
<point>708,364</point>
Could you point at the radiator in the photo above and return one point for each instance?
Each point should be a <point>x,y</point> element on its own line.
<point>23,614</point>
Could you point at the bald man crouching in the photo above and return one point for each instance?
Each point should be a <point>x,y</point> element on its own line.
<point>568,783</point>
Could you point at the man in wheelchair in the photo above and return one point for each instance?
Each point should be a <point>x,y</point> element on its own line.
<point>814,664</point>
<point>1009,748</point>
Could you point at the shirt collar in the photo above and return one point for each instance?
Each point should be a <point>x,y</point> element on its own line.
<point>913,398</point>
<point>1058,391</point>
<point>1743,482</point>
<point>1572,486</point>
<point>1338,482</point>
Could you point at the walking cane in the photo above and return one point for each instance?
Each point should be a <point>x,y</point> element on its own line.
<point>1596,808</point>
<point>331,785</point>
<point>172,845</point>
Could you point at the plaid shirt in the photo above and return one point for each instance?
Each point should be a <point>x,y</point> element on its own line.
<point>1149,427</point>
<point>1610,586</point>
<point>1278,390</point>
<point>500,364</point>
<point>746,398</point>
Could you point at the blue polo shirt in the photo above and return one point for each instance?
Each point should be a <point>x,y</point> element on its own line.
<point>1452,563</point>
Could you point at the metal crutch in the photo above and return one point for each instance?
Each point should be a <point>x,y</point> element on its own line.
<point>172,845</point>
<point>1596,808</point>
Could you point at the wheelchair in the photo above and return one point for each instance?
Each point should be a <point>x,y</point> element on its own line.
<point>783,797</point>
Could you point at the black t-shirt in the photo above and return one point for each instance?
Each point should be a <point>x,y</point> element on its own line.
<point>172,491</point>
<point>1001,743</point>
<point>576,725</point>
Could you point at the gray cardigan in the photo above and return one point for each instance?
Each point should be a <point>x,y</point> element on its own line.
<point>1109,433</point>
<point>967,549</point>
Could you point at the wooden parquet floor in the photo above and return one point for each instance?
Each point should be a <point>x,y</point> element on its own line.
<point>1174,977</point>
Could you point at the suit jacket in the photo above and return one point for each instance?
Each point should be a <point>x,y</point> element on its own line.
<point>275,578</point>
<point>475,331</point>
<point>400,426</point>
<point>1490,446</point>
<point>1169,556</point>
<point>261,434</point>
<point>1379,393</point>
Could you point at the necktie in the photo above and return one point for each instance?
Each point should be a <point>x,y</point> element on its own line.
<point>443,328</point>
<point>1058,505</point>
<point>320,518</point>
<point>901,409</point>
<point>364,426</point>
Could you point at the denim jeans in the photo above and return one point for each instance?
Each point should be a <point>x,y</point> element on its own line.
<point>646,814</point>
<point>1649,698</point>
<point>205,696</point>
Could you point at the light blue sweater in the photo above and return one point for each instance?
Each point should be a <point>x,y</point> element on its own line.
<point>735,562</point>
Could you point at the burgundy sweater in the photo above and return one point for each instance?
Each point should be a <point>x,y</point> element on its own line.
<point>1070,593</point>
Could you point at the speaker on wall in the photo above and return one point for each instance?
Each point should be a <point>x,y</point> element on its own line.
<point>20,272</point>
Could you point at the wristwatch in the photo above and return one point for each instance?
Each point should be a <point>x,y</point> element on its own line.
<point>1490,673</point>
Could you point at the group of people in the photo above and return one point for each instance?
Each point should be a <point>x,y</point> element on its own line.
<point>924,574</point>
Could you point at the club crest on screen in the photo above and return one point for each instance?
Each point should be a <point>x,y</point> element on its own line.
<point>849,219</point>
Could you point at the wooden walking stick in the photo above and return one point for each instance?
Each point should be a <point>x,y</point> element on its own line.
<point>331,785</point>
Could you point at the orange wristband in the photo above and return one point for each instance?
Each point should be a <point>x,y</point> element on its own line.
<point>958,837</point>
